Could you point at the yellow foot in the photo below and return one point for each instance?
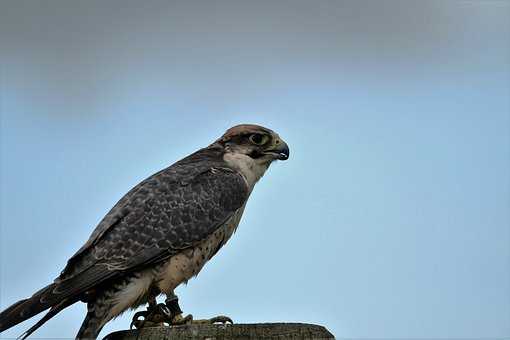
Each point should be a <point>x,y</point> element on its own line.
<point>188,319</point>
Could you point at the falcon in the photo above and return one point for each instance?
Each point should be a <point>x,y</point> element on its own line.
<point>159,235</point>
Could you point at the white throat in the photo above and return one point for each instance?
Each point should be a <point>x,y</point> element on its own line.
<point>251,169</point>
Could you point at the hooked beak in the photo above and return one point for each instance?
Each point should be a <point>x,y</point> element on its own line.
<point>280,150</point>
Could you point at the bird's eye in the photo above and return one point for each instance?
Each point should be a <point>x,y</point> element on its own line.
<point>258,139</point>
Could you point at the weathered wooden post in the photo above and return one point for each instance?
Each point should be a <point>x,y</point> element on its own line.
<point>280,331</point>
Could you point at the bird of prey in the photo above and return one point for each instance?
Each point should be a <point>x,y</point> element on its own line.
<point>159,235</point>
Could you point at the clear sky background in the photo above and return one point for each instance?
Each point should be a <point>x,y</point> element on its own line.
<point>391,219</point>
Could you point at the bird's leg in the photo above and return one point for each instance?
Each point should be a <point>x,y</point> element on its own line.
<point>155,315</point>
<point>172,302</point>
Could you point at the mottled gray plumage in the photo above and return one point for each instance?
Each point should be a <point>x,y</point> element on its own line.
<point>170,211</point>
<point>186,211</point>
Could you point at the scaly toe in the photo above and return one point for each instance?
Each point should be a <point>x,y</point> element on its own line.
<point>221,319</point>
<point>180,320</point>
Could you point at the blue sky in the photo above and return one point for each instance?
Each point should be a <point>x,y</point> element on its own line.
<point>391,219</point>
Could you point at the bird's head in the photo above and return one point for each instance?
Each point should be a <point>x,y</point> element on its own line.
<point>250,149</point>
<point>257,142</point>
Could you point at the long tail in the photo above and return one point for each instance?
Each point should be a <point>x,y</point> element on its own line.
<point>25,309</point>
<point>51,313</point>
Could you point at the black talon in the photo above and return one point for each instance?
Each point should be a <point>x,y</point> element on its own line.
<point>136,322</point>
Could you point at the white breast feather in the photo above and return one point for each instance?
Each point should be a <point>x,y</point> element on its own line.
<point>251,170</point>
<point>127,297</point>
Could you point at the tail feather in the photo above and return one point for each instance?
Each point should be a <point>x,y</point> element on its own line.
<point>25,309</point>
<point>51,313</point>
